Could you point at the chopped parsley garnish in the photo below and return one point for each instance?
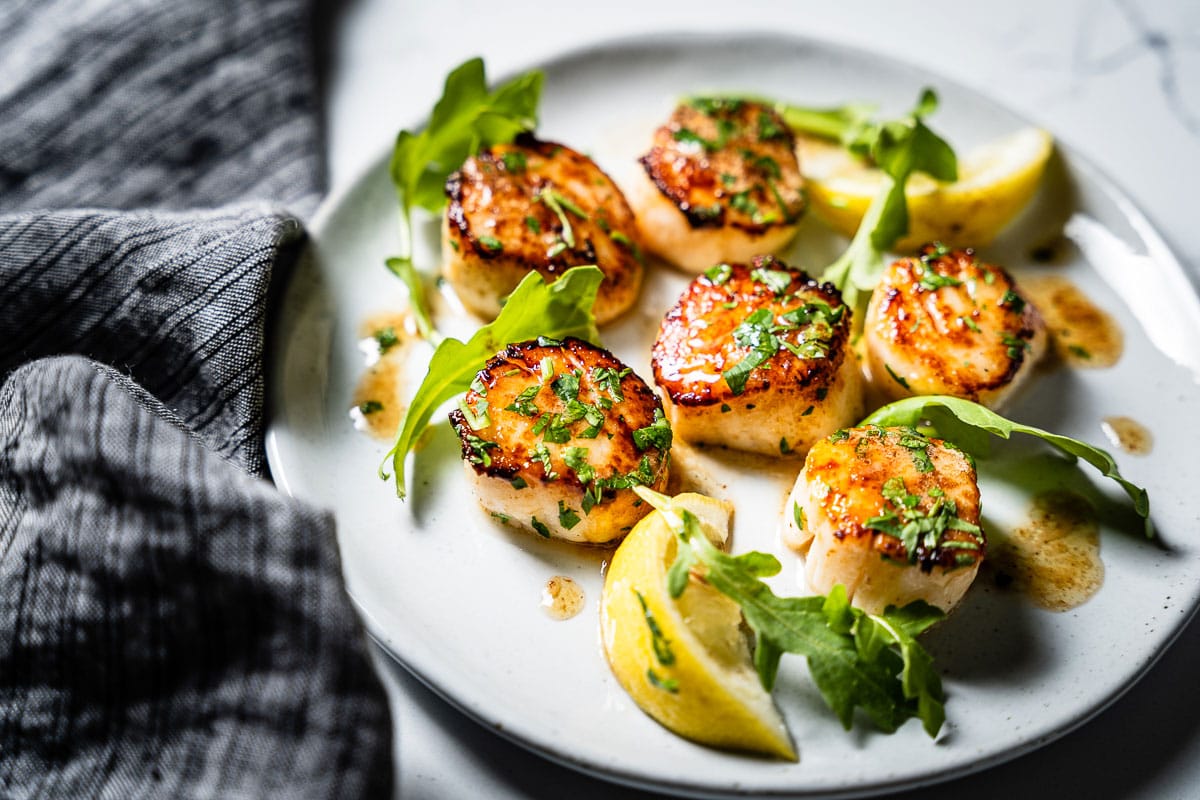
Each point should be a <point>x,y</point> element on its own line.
<point>808,411</point>
<point>970,323</point>
<point>386,338</point>
<point>560,206</point>
<point>532,223</point>
<point>369,407</point>
<point>798,515</point>
<point>711,106</point>
<point>784,447</point>
<point>767,165</point>
<point>689,136</point>
<point>759,330</point>
<point>669,685</point>
<point>567,516</point>
<point>518,483</point>
<point>657,434</point>
<point>725,408</point>
<point>540,527</point>
<point>937,251</point>
<point>542,454</point>
<point>566,386</point>
<point>660,643</point>
<point>776,280</point>
<point>769,127</point>
<point>1078,352</point>
<point>577,459</point>
<point>491,243</point>
<point>1013,302</point>
<point>922,532</point>
<point>503,518</point>
<point>895,377</point>
<point>719,274</point>
<point>918,447</point>
<point>609,379</point>
<point>1017,347</point>
<point>933,280</point>
<point>627,243</point>
<point>742,202</point>
<point>523,403</point>
<point>514,161</point>
<point>479,450</point>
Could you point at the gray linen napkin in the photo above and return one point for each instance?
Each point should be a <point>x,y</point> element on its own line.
<point>170,625</point>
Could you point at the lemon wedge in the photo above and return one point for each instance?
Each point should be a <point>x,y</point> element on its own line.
<point>995,181</point>
<point>686,662</point>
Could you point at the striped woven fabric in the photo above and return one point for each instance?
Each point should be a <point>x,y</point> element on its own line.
<point>170,625</point>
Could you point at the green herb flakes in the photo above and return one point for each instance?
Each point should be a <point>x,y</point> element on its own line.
<point>895,377</point>
<point>657,434</point>
<point>567,516</point>
<point>1013,302</point>
<point>491,243</point>
<point>719,274</point>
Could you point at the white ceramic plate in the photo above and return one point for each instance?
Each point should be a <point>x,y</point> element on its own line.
<point>455,597</point>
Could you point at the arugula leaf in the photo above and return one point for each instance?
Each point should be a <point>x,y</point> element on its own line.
<point>961,421</point>
<point>466,118</point>
<point>899,148</point>
<point>559,309</point>
<point>856,659</point>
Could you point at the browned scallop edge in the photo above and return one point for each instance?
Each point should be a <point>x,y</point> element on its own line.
<point>503,466</point>
<point>953,264</point>
<point>718,392</point>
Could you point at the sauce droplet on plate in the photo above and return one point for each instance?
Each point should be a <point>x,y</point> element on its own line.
<point>1054,558</point>
<point>1082,334</point>
<point>562,598</point>
<point>1129,435</point>
<point>377,407</point>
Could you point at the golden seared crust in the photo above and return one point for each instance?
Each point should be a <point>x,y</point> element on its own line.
<point>948,323</point>
<point>562,429</point>
<point>868,481</point>
<point>757,358</point>
<point>728,163</point>
<point>534,205</point>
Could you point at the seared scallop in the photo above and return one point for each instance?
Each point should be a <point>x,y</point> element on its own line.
<point>556,434</point>
<point>890,514</point>
<point>721,183</point>
<point>758,358</point>
<point>534,205</point>
<point>947,323</point>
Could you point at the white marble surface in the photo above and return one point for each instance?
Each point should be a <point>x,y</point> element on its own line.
<point>1118,81</point>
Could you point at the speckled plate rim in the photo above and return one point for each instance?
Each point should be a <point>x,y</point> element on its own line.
<point>424,671</point>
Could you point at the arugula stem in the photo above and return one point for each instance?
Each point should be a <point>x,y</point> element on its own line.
<point>402,267</point>
<point>858,268</point>
<point>835,124</point>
